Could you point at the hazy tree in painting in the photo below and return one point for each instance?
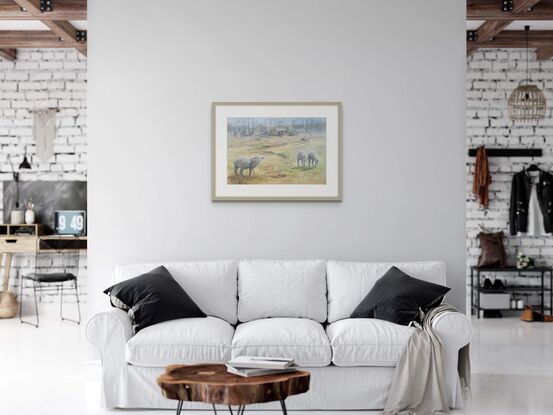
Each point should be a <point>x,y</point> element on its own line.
<point>276,150</point>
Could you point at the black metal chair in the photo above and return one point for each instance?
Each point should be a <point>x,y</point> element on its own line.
<point>56,263</point>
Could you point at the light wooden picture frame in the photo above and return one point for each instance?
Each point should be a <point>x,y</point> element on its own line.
<point>277,151</point>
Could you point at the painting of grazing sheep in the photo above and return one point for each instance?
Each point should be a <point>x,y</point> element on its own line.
<point>276,151</point>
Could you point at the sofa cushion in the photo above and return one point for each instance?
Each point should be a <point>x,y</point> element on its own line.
<point>301,339</point>
<point>399,298</point>
<point>367,342</point>
<point>281,289</point>
<point>212,285</point>
<point>152,298</point>
<point>187,340</point>
<point>349,282</point>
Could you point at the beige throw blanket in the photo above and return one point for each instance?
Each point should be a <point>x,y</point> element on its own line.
<point>418,385</point>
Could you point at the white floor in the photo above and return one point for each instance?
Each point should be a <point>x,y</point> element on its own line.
<point>42,370</point>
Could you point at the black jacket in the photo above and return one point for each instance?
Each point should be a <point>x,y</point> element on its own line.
<point>520,197</point>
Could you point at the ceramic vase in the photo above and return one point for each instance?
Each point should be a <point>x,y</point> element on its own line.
<point>17,217</point>
<point>29,216</point>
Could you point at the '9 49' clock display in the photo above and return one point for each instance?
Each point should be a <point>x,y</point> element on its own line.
<point>70,222</point>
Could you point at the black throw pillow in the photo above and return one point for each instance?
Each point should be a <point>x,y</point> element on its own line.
<point>153,298</point>
<point>398,298</point>
<point>398,310</point>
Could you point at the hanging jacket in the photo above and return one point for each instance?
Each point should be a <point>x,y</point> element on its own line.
<point>482,178</point>
<point>520,198</point>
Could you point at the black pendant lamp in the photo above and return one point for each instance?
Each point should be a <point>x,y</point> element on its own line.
<point>25,164</point>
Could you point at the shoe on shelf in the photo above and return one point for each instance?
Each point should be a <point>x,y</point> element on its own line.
<point>487,284</point>
<point>528,314</point>
<point>498,285</point>
<point>492,314</point>
<point>542,317</point>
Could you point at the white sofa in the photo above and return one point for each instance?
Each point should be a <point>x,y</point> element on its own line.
<point>299,309</point>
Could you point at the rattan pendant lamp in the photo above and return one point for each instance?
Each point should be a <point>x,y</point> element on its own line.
<point>527,101</point>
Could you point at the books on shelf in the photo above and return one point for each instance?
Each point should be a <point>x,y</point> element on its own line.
<point>248,366</point>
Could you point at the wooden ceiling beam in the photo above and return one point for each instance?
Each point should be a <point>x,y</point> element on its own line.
<point>8,54</point>
<point>517,39</point>
<point>63,10</point>
<point>33,39</point>
<point>491,10</point>
<point>66,31</point>
<point>523,6</point>
<point>545,53</point>
<point>62,28</point>
<point>491,28</point>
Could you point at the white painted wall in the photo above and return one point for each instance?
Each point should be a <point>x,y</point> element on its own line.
<point>397,66</point>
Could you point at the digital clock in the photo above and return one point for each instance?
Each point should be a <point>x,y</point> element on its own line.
<point>70,222</point>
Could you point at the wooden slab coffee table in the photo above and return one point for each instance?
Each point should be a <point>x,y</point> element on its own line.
<point>212,384</point>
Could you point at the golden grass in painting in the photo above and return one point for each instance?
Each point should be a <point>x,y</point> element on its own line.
<point>279,164</point>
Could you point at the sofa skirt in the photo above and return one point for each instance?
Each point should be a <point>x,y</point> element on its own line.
<point>331,388</point>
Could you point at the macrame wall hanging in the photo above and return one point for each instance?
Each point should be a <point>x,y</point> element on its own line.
<point>44,132</point>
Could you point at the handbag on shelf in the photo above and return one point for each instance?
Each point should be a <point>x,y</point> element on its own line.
<point>492,250</point>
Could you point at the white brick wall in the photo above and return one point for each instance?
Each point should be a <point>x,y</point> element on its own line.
<point>492,74</point>
<point>44,78</point>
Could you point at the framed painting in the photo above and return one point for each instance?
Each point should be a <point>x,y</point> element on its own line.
<point>276,151</point>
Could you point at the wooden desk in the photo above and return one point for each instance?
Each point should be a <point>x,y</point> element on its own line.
<point>11,242</point>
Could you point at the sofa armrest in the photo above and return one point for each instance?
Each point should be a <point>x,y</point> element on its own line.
<point>455,332</point>
<point>110,331</point>
<point>113,325</point>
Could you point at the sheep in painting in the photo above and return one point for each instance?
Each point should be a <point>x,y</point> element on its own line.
<point>301,158</point>
<point>312,160</point>
<point>242,163</point>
